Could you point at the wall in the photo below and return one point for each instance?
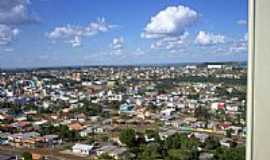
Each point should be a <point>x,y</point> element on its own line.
<point>259,80</point>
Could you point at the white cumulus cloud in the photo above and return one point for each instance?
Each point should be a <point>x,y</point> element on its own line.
<point>9,49</point>
<point>74,34</point>
<point>139,52</point>
<point>205,38</point>
<point>170,43</point>
<point>117,45</point>
<point>240,46</point>
<point>172,21</point>
<point>242,22</point>
<point>76,42</point>
<point>14,12</point>
<point>7,34</point>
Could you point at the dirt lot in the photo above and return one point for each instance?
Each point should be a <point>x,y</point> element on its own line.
<point>51,154</point>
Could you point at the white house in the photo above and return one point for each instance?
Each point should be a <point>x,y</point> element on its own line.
<point>213,66</point>
<point>232,108</point>
<point>226,142</point>
<point>111,150</point>
<point>167,112</point>
<point>191,67</point>
<point>82,149</point>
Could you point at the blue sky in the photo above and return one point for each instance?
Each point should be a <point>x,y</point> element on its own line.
<point>42,33</point>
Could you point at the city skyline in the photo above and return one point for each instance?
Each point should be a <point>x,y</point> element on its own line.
<point>46,33</point>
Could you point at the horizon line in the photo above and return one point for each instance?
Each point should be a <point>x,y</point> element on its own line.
<point>115,65</point>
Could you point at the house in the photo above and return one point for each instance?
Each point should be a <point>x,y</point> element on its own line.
<point>166,134</point>
<point>177,123</point>
<point>149,139</point>
<point>232,108</point>
<point>191,67</point>
<point>41,122</point>
<point>36,156</point>
<point>126,108</point>
<point>236,130</point>
<point>215,66</point>
<point>7,157</point>
<point>181,106</point>
<point>201,136</point>
<point>82,149</point>
<point>206,156</point>
<point>52,139</point>
<point>87,131</point>
<point>226,142</point>
<point>115,97</point>
<point>75,126</point>
<point>3,138</point>
<point>118,153</point>
<point>105,149</point>
<point>218,105</point>
<point>167,113</point>
<point>114,151</point>
<point>6,117</point>
<point>23,139</point>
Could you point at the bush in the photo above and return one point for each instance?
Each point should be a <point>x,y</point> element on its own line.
<point>27,156</point>
<point>128,137</point>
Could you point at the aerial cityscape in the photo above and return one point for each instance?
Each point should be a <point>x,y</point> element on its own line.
<point>128,112</point>
<point>123,80</point>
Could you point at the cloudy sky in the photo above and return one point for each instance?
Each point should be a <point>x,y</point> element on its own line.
<point>41,33</point>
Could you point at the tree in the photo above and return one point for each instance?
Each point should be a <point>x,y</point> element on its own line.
<point>61,130</point>
<point>153,134</point>
<point>212,143</point>
<point>89,108</point>
<point>229,133</point>
<point>105,157</point>
<point>173,142</point>
<point>202,113</point>
<point>128,137</point>
<point>68,134</point>
<point>180,141</point>
<point>27,156</point>
<point>230,153</point>
<point>14,108</point>
<point>151,151</point>
<point>30,107</point>
<point>190,143</point>
<point>178,154</point>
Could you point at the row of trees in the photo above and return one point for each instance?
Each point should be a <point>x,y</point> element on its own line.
<point>62,130</point>
<point>175,147</point>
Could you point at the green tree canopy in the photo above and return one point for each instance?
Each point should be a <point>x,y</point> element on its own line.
<point>27,156</point>
<point>180,141</point>
<point>231,153</point>
<point>128,137</point>
<point>178,154</point>
<point>151,151</point>
<point>212,143</point>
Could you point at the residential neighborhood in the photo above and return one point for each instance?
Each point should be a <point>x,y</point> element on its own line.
<point>191,111</point>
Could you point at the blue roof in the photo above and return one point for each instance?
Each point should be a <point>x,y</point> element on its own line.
<point>126,108</point>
